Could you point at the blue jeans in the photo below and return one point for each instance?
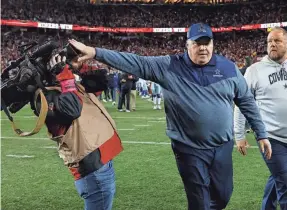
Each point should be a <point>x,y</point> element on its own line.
<point>98,188</point>
<point>276,187</point>
<point>207,176</point>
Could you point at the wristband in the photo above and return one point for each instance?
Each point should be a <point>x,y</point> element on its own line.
<point>68,85</point>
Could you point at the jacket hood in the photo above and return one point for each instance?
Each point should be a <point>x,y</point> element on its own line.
<point>266,59</point>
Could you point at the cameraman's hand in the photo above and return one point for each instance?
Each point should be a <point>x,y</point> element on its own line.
<point>63,73</point>
<point>76,65</point>
<point>57,64</point>
<point>87,52</point>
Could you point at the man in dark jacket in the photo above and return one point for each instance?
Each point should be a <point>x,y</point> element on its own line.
<point>126,86</point>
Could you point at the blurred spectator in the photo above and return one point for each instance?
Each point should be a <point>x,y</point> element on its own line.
<point>113,84</point>
<point>126,86</point>
<point>133,94</point>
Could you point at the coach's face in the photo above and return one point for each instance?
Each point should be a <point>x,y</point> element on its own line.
<point>277,46</point>
<point>200,50</point>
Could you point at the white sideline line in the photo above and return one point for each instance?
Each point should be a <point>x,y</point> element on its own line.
<point>21,156</point>
<point>159,121</point>
<point>126,142</point>
<point>142,125</point>
<point>252,147</point>
<point>9,137</point>
<point>126,129</point>
<point>139,117</point>
<point>49,147</point>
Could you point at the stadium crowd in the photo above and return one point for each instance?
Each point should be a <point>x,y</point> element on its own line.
<point>77,12</point>
<point>234,45</point>
<point>245,44</point>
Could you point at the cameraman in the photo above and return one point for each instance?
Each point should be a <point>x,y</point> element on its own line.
<point>84,131</point>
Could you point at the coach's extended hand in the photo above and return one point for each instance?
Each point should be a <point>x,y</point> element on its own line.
<point>86,51</point>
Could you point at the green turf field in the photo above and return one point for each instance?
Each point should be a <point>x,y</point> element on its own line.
<point>146,174</point>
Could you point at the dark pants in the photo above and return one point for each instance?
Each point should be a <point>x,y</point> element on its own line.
<point>107,96</point>
<point>276,187</point>
<point>207,176</point>
<point>125,94</point>
<point>113,93</point>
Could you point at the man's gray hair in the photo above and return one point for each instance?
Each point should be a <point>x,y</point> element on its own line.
<point>280,29</point>
<point>188,42</point>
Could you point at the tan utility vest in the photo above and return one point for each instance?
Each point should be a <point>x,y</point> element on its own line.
<point>87,133</point>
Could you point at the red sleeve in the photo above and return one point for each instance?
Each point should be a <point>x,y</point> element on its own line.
<point>67,74</point>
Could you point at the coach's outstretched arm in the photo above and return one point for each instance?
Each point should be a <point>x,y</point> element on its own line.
<point>150,68</point>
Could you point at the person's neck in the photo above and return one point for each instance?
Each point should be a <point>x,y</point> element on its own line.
<point>282,60</point>
<point>285,60</point>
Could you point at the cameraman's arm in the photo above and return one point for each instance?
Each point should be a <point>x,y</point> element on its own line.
<point>69,103</point>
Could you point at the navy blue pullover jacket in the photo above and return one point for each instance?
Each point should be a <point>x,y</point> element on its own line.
<point>198,100</point>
